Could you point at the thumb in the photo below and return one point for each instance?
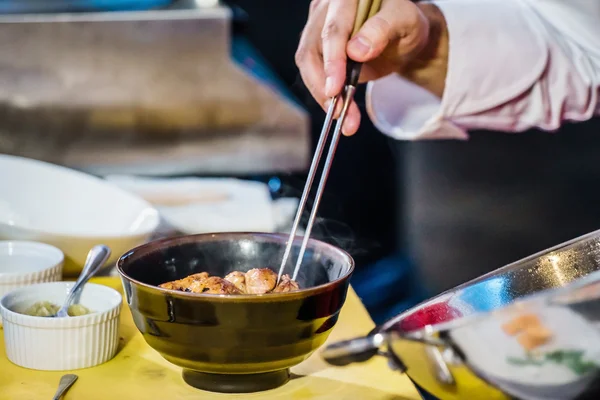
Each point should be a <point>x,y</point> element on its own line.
<point>398,20</point>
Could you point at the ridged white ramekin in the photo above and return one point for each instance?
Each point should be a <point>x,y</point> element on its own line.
<point>57,344</point>
<point>24,263</point>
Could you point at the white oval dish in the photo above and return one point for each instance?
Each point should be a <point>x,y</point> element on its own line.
<point>25,263</point>
<point>71,210</point>
<point>58,344</point>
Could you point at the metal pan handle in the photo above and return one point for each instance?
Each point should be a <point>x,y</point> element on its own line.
<point>364,348</point>
<point>354,350</point>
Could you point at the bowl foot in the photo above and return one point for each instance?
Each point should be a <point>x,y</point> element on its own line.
<point>236,383</point>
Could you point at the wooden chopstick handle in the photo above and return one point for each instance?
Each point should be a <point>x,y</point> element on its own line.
<point>365,10</point>
<point>375,7</point>
<point>362,13</point>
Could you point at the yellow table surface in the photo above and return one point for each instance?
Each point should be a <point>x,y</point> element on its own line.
<point>139,372</point>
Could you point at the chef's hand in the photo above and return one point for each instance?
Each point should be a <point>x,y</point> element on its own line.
<point>403,37</point>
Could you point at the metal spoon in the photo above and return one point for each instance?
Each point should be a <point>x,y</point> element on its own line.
<point>95,260</point>
<point>65,383</point>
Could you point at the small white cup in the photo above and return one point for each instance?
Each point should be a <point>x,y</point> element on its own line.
<point>25,263</point>
<point>59,344</point>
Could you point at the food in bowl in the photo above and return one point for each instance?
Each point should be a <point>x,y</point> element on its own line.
<point>241,343</point>
<point>529,330</point>
<point>255,281</point>
<point>47,309</point>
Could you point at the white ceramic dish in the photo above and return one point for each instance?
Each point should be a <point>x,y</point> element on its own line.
<point>27,263</point>
<point>70,210</point>
<point>59,344</point>
<point>24,263</point>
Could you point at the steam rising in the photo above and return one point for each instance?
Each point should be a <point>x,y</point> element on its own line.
<point>328,230</point>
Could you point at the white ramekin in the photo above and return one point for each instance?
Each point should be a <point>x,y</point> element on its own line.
<point>24,263</point>
<point>58,344</point>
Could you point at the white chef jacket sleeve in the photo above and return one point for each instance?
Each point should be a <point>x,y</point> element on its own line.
<point>513,65</point>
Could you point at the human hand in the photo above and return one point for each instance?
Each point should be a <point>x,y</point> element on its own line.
<point>403,38</point>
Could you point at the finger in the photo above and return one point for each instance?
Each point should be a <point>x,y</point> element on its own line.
<point>308,55</point>
<point>313,76</point>
<point>352,121</point>
<point>335,35</point>
<point>398,20</point>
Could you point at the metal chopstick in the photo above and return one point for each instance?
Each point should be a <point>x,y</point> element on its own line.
<point>348,96</point>
<point>366,9</point>
<point>309,181</point>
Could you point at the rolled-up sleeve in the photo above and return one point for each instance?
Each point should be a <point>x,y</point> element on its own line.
<point>512,66</point>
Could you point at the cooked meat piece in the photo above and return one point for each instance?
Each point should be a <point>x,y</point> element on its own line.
<point>188,280</point>
<point>520,323</point>
<point>198,276</point>
<point>286,284</point>
<point>260,280</point>
<point>255,281</point>
<point>185,283</point>
<point>175,285</point>
<point>529,329</point>
<point>238,279</point>
<point>213,285</point>
<point>534,336</point>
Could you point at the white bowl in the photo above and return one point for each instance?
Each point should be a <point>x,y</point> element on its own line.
<point>26,263</point>
<point>59,344</point>
<point>70,210</point>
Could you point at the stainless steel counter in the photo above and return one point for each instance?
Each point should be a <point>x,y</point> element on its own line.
<point>144,92</point>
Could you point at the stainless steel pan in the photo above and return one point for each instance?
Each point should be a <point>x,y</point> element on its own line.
<point>529,330</point>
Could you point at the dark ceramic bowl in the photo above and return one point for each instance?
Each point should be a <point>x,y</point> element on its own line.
<point>234,343</point>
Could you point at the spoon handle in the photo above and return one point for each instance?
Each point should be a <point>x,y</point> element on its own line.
<point>65,383</point>
<point>95,260</point>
